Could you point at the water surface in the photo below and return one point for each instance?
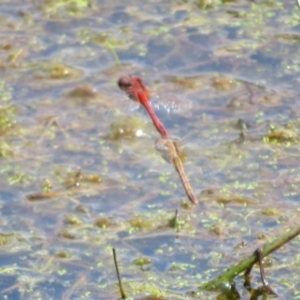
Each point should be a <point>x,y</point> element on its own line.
<point>227,73</point>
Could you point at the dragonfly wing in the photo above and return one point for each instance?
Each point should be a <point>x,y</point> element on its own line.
<point>163,149</point>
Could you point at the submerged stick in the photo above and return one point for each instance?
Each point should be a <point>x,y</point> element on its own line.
<point>171,152</point>
<point>122,291</point>
<point>47,195</point>
<point>246,263</point>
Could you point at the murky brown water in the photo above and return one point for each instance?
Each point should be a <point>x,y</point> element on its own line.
<point>228,74</point>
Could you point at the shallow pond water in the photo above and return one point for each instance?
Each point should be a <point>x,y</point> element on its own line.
<point>79,169</point>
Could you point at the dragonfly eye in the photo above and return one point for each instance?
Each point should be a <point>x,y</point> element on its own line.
<point>125,83</point>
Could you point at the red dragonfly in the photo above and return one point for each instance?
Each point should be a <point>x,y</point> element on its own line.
<point>172,153</point>
<point>136,90</point>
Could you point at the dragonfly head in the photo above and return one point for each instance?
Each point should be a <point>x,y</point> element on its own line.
<point>125,83</point>
<point>132,86</point>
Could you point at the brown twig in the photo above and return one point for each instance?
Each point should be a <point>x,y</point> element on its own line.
<point>122,291</point>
